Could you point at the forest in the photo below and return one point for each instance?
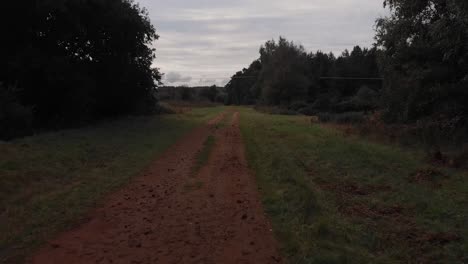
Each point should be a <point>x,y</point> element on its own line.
<point>304,156</point>
<point>415,72</point>
<point>70,62</point>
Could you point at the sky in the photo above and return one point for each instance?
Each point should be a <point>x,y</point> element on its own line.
<point>205,42</point>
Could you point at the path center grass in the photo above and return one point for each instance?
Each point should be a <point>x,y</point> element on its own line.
<point>49,182</point>
<point>336,199</point>
<point>204,154</point>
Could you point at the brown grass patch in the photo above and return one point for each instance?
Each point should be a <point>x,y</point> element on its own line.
<point>429,176</point>
<point>393,225</point>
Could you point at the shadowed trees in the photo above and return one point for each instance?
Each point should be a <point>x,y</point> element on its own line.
<point>286,75</point>
<point>425,62</point>
<point>72,61</point>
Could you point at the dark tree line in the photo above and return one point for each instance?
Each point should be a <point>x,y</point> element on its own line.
<point>288,76</point>
<point>421,52</point>
<point>212,94</point>
<point>425,59</point>
<point>64,62</point>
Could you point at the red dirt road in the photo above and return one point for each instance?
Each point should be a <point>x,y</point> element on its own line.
<point>172,215</point>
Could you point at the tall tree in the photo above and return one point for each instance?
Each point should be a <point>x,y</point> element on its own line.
<point>75,60</point>
<point>286,75</point>
<point>283,78</point>
<point>425,58</point>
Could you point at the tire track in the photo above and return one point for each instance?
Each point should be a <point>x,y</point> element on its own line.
<point>156,220</point>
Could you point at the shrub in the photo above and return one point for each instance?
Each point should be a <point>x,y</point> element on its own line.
<point>274,110</point>
<point>343,118</point>
<point>308,110</point>
<point>297,105</point>
<point>15,119</point>
<point>367,95</point>
<point>324,117</point>
<point>164,108</point>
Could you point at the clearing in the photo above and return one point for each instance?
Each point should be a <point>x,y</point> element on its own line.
<point>174,213</point>
<point>180,189</point>
<point>334,198</point>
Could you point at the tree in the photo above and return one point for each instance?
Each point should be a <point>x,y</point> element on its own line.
<point>286,75</point>
<point>73,60</point>
<point>243,87</point>
<point>425,59</point>
<point>210,93</point>
<point>283,78</point>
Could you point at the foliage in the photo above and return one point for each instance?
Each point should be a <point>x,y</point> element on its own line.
<point>75,60</point>
<point>342,118</point>
<point>425,57</point>
<point>209,93</point>
<point>50,181</point>
<point>286,75</point>
<point>15,119</point>
<point>335,199</point>
<point>283,76</point>
<point>242,89</point>
<point>212,93</point>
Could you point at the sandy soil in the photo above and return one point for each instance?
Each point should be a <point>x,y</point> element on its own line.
<point>172,215</point>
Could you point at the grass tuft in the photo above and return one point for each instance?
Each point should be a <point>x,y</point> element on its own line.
<point>48,182</point>
<point>336,199</point>
<point>204,154</point>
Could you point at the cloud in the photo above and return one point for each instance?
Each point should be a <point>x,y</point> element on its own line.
<point>210,40</point>
<point>174,77</point>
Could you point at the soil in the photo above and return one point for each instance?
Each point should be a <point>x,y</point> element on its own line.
<point>430,176</point>
<point>157,219</point>
<point>394,225</point>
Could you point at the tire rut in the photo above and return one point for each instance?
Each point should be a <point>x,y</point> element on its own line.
<point>156,220</point>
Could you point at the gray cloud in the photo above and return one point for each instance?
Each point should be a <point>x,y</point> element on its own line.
<point>176,78</point>
<point>209,40</point>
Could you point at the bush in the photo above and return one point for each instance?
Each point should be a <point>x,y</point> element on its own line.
<point>297,105</point>
<point>367,95</point>
<point>324,117</point>
<point>343,118</point>
<point>274,110</point>
<point>164,108</point>
<point>15,119</point>
<point>308,110</point>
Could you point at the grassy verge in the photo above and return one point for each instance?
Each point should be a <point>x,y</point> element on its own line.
<point>335,199</point>
<point>48,182</point>
<point>204,154</point>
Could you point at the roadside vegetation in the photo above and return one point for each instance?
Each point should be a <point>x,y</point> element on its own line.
<point>50,181</point>
<point>334,194</point>
<point>67,64</point>
<point>337,199</point>
<point>204,154</point>
<point>412,79</point>
<point>194,95</point>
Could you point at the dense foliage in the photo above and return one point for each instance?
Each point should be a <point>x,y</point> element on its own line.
<point>425,60</point>
<point>286,75</point>
<point>213,94</point>
<point>69,61</point>
<point>421,52</point>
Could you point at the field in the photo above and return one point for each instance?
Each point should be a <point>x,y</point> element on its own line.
<point>330,197</point>
<point>342,199</point>
<point>49,182</point>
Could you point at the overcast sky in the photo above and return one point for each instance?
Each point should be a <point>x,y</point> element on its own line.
<point>205,42</point>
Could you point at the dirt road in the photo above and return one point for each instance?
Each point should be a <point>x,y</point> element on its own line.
<point>173,214</point>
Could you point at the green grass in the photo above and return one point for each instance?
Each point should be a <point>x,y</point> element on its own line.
<point>203,156</point>
<point>193,186</point>
<point>335,199</point>
<point>48,182</point>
